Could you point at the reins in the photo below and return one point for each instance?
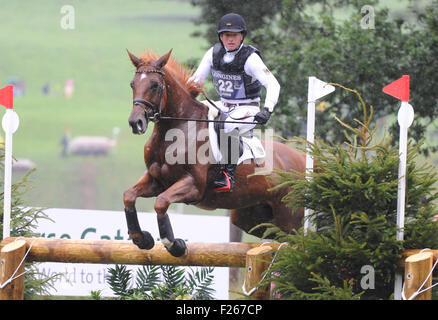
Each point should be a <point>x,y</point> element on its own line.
<point>157,114</point>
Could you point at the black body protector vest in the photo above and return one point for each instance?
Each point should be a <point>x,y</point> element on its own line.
<point>230,79</point>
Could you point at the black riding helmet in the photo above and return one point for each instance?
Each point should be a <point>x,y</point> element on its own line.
<point>231,22</point>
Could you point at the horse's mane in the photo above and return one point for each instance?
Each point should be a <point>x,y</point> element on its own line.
<point>178,71</point>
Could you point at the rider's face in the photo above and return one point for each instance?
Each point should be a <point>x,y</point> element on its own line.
<point>231,40</point>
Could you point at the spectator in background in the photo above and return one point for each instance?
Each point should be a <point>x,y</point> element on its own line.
<point>65,140</point>
<point>46,88</point>
<point>69,88</point>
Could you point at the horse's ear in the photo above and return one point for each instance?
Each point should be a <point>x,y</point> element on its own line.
<point>135,61</point>
<point>163,60</point>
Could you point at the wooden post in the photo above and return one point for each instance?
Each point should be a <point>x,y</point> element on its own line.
<point>11,256</point>
<point>257,262</point>
<point>417,268</point>
<point>233,273</point>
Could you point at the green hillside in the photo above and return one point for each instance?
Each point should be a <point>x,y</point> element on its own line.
<point>37,50</point>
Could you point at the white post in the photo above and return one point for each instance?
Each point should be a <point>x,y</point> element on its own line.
<point>10,123</point>
<point>316,89</point>
<point>405,118</point>
<point>310,138</point>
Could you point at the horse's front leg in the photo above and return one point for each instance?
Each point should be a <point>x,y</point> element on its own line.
<point>145,187</point>
<point>184,190</point>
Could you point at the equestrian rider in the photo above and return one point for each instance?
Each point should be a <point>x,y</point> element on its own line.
<point>238,74</point>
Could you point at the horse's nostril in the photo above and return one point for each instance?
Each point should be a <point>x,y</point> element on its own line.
<point>140,125</point>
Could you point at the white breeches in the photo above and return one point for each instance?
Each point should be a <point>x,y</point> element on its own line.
<point>241,113</point>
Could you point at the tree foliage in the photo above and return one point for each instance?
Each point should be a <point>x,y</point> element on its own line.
<point>353,196</point>
<point>301,38</point>
<point>256,12</point>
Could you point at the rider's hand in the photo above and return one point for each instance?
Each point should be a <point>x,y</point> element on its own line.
<point>263,116</point>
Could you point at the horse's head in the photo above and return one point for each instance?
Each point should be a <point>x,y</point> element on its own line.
<point>149,92</point>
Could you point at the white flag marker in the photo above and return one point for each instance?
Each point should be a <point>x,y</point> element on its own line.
<point>316,90</point>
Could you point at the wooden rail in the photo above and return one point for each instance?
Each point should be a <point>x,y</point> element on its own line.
<point>232,254</point>
<point>255,257</point>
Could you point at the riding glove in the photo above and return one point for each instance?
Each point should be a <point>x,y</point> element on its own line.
<point>263,116</point>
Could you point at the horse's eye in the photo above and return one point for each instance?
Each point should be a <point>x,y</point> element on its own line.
<point>154,86</point>
<point>132,84</point>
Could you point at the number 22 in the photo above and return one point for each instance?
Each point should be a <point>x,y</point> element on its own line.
<point>225,86</point>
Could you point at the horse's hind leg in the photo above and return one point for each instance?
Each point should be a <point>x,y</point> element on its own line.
<point>247,218</point>
<point>280,215</point>
<point>145,187</point>
<point>286,218</point>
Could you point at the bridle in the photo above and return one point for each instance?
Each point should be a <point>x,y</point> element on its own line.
<point>140,101</point>
<point>157,116</point>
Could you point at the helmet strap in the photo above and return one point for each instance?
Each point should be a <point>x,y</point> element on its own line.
<point>237,49</point>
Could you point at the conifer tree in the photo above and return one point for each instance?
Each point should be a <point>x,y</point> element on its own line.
<point>353,195</point>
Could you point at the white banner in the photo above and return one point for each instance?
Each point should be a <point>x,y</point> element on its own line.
<point>81,279</point>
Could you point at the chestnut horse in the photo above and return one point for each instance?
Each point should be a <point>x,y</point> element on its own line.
<point>163,94</point>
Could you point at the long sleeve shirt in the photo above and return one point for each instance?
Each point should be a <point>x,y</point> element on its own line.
<point>254,67</point>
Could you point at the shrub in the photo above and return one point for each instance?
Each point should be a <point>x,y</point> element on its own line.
<point>353,195</point>
<point>23,221</point>
<point>176,283</point>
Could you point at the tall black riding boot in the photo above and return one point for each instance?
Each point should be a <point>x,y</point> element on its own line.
<point>231,149</point>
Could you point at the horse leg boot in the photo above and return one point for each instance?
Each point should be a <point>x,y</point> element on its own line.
<point>141,239</point>
<point>145,187</point>
<point>176,247</point>
<point>184,190</point>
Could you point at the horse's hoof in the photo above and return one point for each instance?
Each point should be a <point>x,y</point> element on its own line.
<point>146,241</point>
<point>178,248</point>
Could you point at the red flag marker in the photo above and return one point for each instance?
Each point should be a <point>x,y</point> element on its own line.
<point>399,88</point>
<point>7,96</point>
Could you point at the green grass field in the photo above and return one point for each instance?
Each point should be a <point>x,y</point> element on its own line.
<point>36,49</point>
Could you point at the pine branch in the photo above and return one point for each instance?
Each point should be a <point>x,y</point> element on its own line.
<point>173,279</point>
<point>148,277</point>
<point>200,283</point>
<point>119,281</point>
